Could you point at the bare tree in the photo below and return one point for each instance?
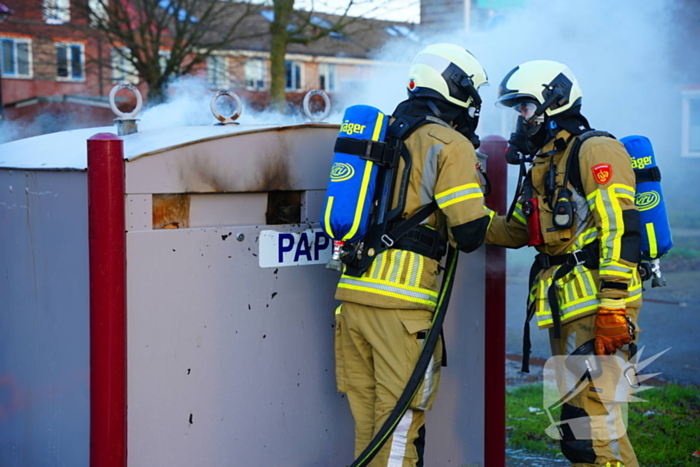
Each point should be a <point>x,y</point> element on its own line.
<point>163,39</point>
<point>296,26</point>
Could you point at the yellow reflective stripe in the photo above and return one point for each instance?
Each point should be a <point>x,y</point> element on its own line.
<point>577,312</point>
<point>327,218</point>
<point>390,289</point>
<point>651,235</point>
<point>460,199</point>
<point>387,294</point>
<point>421,262</point>
<point>456,189</point>
<point>376,265</point>
<point>378,127</point>
<point>398,265</point>
<point>408,288</point>
<point>458,194</point>
<point>411,271</point>
<point>337,310</point>
<point>605,225</point>
<point>519,218</point>
<point>360,201</point>
<point>584,239</point>
<point>385,265</point>
<point>624,275</point>
<point>623,191</point>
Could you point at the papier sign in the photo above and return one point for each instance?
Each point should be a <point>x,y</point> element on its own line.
<point>277,249</point>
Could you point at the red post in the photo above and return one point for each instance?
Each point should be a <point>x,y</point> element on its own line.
<point>495,321</point>
<point>107,237</point>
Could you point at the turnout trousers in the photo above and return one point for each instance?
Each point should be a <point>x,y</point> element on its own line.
<point>376,350</point>
<point>608,445</point>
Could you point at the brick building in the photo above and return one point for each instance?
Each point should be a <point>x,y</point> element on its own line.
<point>57,73</point>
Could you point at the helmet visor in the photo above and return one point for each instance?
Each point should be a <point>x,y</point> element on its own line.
<point>525,109</point>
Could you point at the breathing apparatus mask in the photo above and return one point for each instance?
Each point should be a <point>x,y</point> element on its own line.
<point>528,135</point>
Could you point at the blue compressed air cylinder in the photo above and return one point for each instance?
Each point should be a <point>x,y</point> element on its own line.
<point>656,231</point>
<point>352,180</point>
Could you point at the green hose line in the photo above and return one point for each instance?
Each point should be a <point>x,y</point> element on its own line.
<point>416,378</point>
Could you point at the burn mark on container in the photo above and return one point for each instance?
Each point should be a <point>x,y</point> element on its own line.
<point>249,306</point>
<point>264,336</point>
<point>190,419</point>
<point>189,370</point>
<point>171,211</point>
<point>273,294</point>
<point>225,236</point>
<point>274,173</point>
<point>276,270</point>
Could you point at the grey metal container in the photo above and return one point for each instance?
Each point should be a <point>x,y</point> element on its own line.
<point>230,310</point>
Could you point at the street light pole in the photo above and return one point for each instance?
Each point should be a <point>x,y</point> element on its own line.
<point>5,12</point>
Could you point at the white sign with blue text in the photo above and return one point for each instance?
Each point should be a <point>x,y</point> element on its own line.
<point>293,248</point>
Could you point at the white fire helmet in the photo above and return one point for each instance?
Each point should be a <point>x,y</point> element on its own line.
<point>448,72</point>
<point>550,85</point>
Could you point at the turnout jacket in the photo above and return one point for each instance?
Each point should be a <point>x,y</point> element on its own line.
<point>444,169</point>
<point>607,214</point>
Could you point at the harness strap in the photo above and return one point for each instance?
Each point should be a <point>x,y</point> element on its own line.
<point>648,175</point>
<point>588,256</point>
<point>424,241</point>
<point>378,152</point>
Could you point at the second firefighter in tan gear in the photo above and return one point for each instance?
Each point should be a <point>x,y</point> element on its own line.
<point>599,295</point>
<point>386,312</point>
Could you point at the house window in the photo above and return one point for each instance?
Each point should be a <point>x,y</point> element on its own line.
<point>255,73</point>
<point>293,76</point>
<point>16,57</point>
<point>326,73</point>
<point>217,71</point>
<point>122,67</point>
<point>98,12</point>
<point>691,124</point>
<point>56,11</point>
<point>70,61</point>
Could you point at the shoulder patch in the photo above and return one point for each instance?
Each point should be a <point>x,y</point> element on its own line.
<point>602,173</point>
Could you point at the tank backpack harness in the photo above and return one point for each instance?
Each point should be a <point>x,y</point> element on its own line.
<point>357,213</point>
<point>655,232</point>
<point>359,219</point>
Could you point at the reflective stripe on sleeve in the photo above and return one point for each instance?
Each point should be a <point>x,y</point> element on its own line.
<point>457,194</point>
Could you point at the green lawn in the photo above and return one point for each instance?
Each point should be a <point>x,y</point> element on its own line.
<point>664,430</point>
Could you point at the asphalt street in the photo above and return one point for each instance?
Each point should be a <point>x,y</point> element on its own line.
<point>669,319</point>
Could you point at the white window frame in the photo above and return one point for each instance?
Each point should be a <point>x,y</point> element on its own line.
<point>69,46</point>
<point>122,69</point>
<point>217,71</point>
<point>15,61</point>
<point>327,77</point>
<point>98,12</point>
<point>56,11</point>
<point>686,150</point>
<point>256,73</point>
<point>295,86</point>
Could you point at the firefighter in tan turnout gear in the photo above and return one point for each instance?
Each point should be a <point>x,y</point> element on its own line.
<point>386,311</point>
<point>581,218</point>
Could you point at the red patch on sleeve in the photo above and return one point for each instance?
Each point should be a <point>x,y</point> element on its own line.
<point>602,173</point>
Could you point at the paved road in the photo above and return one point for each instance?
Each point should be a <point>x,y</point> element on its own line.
<point>665,323</point>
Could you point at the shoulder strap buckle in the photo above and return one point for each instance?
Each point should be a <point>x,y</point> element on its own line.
<point>387,240</point>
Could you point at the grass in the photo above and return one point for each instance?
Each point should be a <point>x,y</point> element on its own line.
<point>664,430</point>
